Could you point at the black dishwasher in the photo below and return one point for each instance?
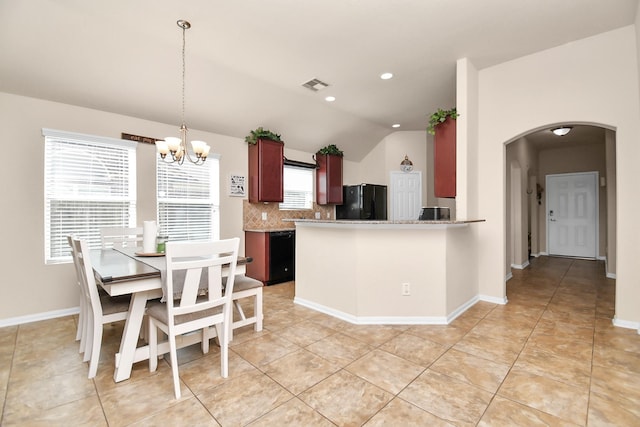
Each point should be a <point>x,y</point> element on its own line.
<point>282,256</point>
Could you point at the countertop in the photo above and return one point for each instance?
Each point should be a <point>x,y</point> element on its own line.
<point>269,230</point>
<point>383,222</point>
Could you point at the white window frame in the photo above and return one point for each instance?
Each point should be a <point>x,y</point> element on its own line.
<point>89,183</point>
<point>180,211</point>
<point>298,188</point>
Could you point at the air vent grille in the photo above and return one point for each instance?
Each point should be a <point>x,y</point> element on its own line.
<point>315,85</point>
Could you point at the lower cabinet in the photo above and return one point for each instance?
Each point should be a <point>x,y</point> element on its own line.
<point>273,254</point>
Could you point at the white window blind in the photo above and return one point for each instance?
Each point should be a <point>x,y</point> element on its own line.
<point>189,199</point>
<point>298,188</point>
<point>90,182</point>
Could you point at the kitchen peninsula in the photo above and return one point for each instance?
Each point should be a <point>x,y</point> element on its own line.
<point>386,272</point>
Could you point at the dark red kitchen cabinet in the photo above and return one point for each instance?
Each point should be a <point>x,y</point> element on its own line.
<point>444,159</point>
<point>328,179</point>
<point>266,165</point>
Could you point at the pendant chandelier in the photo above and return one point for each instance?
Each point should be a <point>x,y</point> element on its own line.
<point>175,146</point>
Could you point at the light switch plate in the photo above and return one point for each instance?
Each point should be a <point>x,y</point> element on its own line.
<point>264,216</point>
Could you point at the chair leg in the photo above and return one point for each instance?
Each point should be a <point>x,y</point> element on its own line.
<point>174,365</point>
<point>87,340</point>
<point>152,336</point>
<point>96,343</point>
<point>80,322</point>
<point>257,310</point>
<point>223,338</point>
<point>205,340</point>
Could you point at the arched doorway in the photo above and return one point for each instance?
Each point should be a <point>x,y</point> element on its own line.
<point>538,153</point>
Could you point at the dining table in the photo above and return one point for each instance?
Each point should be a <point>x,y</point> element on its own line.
<point>125,271</point>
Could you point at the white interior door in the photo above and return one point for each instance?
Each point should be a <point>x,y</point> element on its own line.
<point>406,195</point>
<point>572,214</point>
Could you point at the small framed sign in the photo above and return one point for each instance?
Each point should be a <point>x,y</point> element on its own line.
<point>237,186</point>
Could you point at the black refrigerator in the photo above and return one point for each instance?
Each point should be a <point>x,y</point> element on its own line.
<point>364,201</point>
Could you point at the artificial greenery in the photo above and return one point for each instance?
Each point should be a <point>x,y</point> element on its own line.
<point>331,149</point>
<point>439,117</point>
<point>261,133</point>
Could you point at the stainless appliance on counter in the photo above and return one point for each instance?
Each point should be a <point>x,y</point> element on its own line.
<point>434,213</point>
<point>363,202</point>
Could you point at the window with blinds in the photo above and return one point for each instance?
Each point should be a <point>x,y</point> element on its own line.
<point>189,199</point>
<point>90,182</point>
<point>298,188</point>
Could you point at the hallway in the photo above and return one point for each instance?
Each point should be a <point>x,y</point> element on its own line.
<point>549,357</point>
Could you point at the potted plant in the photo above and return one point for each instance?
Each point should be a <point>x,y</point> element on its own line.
<point>440,116</point>
<point>331,149</point>
<point>261,133</point>
<point>329,175</point>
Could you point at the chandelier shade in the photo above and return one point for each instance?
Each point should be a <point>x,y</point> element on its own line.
<point>174,149</point>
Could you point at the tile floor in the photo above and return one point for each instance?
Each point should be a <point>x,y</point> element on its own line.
<point>549,357</point>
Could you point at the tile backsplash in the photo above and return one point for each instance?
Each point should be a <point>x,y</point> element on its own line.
<point>252,215</point>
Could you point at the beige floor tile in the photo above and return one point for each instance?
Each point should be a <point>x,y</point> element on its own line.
<point>446,335</point>
<point>187,412</point>
<point>243,399</point>
<point>292,413</point>
<point>498,350</point>
<point>604,411</point>
<point>401,413</point>
<point>374,335</point>
<point>385,370</point>
<point>620,360</point>
<point>329,321</point>
<point>506,413</point>
<point>204,373</point>
<point>305,333</point>
<point>340,349</point>
<point>620,341</point>
<point>450,399</point>
<point>474,370</point>
<point>33,395</point>
<point>265,349</point>
<point>564,329</point>
<point>512,330</point>
<point>300,370</point>
<point>622,387</point>
<point>82,412</point>
<point>553,397</point>
<point>345,399</point>
<point>132,401</point>
<point>413,348</point>
<point>561,346</point>
<point>569,370</point>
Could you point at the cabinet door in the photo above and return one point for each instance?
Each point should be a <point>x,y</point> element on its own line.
<point>256,246</point>
<point>266,163</point>
<point>444,156</point>
<point>328,179</point>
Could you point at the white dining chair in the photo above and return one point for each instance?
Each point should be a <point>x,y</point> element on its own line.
<point>118,237</point>
<point>101,308</point>
<point>187,262</point>
<point>246,287</point>
<point>81,333</point>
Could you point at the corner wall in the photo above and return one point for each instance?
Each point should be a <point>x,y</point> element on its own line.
<point>592,81</point>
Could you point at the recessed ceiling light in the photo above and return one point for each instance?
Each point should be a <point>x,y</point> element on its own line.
<point>395,125</point>
<point>562,130</point>
<point>330,98</point>
<point>386,76</point>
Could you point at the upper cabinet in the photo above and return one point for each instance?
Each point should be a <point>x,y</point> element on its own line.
<point>444,154</point>
<point>266,165</point>
<point>328,179</point>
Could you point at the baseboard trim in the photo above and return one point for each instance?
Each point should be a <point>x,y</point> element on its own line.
<point>494,300</point>
<point>628,324</point>
<point>47,315</point>
<point>520,266</point>
<point>508,277</point>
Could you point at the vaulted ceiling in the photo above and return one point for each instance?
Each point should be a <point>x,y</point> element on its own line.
<point>246,60</point>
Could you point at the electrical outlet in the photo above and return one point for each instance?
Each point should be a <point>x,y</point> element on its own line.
<point>328,215</point>
<point>406,289</point>
<point>264,216</point>
<point>317,215</point>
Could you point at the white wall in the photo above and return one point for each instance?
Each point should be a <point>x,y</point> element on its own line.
<point>28,286</point>
<point>594,80</point>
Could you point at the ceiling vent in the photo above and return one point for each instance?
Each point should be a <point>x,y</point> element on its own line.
<point>315,85</point>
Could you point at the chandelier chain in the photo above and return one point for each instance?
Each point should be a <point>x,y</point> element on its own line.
<point>183,69</point>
